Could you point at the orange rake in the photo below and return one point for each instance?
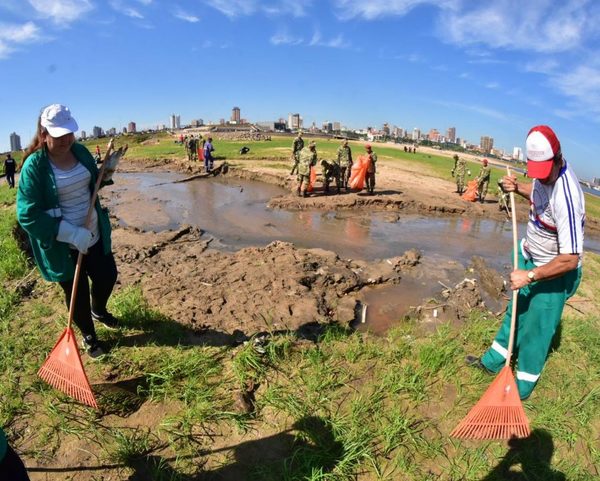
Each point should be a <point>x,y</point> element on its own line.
<point>499,414</point>
<point>63,368</point>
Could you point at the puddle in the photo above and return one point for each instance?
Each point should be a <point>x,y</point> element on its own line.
<point>234,212</point>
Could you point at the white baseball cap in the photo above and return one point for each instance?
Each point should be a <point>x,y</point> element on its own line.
<point>57,120</point>
<point>542,146</point>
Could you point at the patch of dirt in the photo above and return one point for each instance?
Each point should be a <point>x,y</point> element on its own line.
<point>276,287</point>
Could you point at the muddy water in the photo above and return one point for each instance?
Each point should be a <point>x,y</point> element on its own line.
<point>234,212</point>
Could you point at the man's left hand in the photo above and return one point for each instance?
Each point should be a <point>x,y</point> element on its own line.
<point>518,279</point>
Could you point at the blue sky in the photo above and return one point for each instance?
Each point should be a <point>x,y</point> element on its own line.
<point>488,68</point>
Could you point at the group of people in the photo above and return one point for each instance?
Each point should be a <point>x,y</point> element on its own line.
<point>198,148</point>
<point>483,179</point>
<point>59,175</point>
<point>338,170</point>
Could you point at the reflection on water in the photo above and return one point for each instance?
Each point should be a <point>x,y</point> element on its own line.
<point>234,212</point>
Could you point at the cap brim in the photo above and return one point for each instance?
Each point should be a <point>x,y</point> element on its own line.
<point>539,170</point>
<point>69,128</point>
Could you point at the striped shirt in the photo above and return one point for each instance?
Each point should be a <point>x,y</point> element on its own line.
<point>74,197</point>
<point>556,218</point>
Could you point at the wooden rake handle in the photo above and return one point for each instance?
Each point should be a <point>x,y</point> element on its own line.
<point>513,317</point>
<point>87,225</point>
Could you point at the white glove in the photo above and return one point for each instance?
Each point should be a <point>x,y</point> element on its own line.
<point>78,237</point>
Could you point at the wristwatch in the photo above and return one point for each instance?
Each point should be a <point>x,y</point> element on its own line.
<point>531,276</point>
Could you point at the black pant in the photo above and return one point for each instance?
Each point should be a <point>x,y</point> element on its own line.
<point>10,178</point>
<point>102,271</point>
<point>12,468</point>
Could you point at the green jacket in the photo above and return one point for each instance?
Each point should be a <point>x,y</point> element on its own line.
<point>39,214</point>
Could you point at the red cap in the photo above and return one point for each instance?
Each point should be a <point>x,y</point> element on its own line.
<point>542,146</point>
<point>485,161</point>
<point>368,146</point>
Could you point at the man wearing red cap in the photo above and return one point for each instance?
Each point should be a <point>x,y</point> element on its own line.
<point>549,258</point>
<point>483,180</point>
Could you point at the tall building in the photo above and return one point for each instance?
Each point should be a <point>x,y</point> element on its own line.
<point>451,134</point>
<point>416,135</point>
<point>175,122</point>
<point>131,128</point>
<point>487,144</point>
<point>235,115</point>
<point>15,142</point>
<point>83,135</point>
<point>294,121</point>
<point>97,131</point>
<point>517,153</point>
<point>337,126</point>
<point>434,135</point>
<point>386,129</point>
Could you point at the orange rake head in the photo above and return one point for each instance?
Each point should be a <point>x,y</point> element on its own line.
<point>63,370</point>
<point>499,414</point>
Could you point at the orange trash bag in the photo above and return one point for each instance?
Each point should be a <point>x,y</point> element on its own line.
<point>312,179</point>
<point>471,192</point>
<point>359,172</point>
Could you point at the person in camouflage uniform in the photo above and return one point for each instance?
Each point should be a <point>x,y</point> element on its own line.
<point>307,160</point>
<point>459,173</point>
<point>370,178</point>
<point>331,171</point>
<point>344,162</point>
<point>483,180</point>
<point>503,198</point>
<point>191,148</point>
<point>297,146</point>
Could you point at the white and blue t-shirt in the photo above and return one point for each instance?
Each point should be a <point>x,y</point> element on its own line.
<point>556,218</point>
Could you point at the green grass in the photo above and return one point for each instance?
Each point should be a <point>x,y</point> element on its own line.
<point>350,406</point>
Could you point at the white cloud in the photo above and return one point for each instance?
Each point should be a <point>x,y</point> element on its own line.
<point>5,50</point>
<point>492,85</point>
<point>582,84</point>
<point>537,25</point>
<point>233,8</point>
<point>61,11</point>
<point>28,32</point>
<point>372,9</point>
<point>545,66</point>
<point>11,35</point>
<point>121,7</point>
<point>239,8</point>
<point>186,17</point>
<point>495,114</point>
<point>283,38</point>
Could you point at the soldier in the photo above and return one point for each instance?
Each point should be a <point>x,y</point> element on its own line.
<point>297,146</point>
<point>307,160</point>
<point>344,162</point>
<point>371,169</point>
<point>459,172</point>
<point>483,180</point>
<point>331,171</point>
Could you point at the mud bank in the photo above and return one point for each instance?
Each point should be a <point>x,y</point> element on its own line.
<point>278,287</point>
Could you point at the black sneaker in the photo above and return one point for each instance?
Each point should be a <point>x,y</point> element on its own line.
<point>107,320</point>
<point>93,348</point>
<point>474,361</point>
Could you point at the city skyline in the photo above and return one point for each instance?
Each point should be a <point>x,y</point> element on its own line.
<point>489,69</point>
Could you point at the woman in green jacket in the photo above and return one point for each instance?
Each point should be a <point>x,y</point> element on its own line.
<point>53,198</point>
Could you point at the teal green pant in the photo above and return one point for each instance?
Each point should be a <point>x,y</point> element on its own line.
<point>539,309</point>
